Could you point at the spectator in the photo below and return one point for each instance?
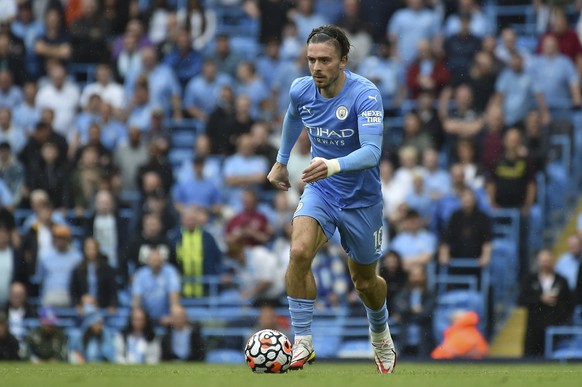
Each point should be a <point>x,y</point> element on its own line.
<point>140,109</point>
<point>464,121</point>
<point>250,227</point>
<point>413,308</point>
<point>556,78</point>
<point>202,92</point>
<point>128,156</point>
<point>200,22</point>
<point>18,311</point>
<point>9,346</point>
<point>12,264</point>
<point>10,95</point>
<point>252,86</point>
<point>465,155</point>
<point>568,264</point>
<point>55,266</point>
<point>419,200</point>
<point>468,234</point>
<point>94,276</point>
<point>85,119</point>
<point>104,155</point>
<point>243,169</point>
<point>566,37</point>
<point>516,89</point>
<point>291,45</point>
<point>547,297</point>
<point>387,72</point>
<point>197,254</point>
<point>437,181</point>
<point>394,274</point>
<point>11,172</point>
<point>306,18</point>
<point>28,29</point>
<point>113,131</point>
<point>134,30</point>
<point>508,48</point>
<point>414,134</point>
<point>462,340</point>
<point>270,64</point>
<point>54,43</point>
<point>48,343</point>
<point>414,244</point>
<point>427,71</point>
<point>62,96</point>
<point>227,124</point>
<point>86,180</point>
<point>198,190</point>
<point>128,60</point>
<point>429,117</point>
<point>479,25</point>
<point>96,343</point>
<point>261,132</point>
<point>357,31</point>
<point>156,202</point>
<point>164,88</point>
<point>257,272</point>
<point>9,133</point>
<point>410,25</point>
<point>156,287</point>
<point>106,226</point>
<point>151,236</point>
<point>482,77</point>
<point>50,175</point>
<point>183,340</point>
<point>226,60</point>
<point>460,49</point>
<point>159,164</point>
<point>272,16</point>
<point>89,32</point>
<point>512,183</point>
<point>137,343</point>
<point>43,133</point>
<point>105,87</point>
<point>27,114</point>
<point>393,191</point>
<point>404,176</point>
<point>184,60</point>
<point>536,141</point>
<point>212,163</point>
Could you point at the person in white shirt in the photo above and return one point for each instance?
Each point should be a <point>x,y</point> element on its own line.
<point>60,95</point>
<point>104,86</point>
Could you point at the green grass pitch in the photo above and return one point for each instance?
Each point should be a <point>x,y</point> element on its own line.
<point>319,374</point>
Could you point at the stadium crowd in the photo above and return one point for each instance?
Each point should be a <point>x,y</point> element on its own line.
<point>98,214</point>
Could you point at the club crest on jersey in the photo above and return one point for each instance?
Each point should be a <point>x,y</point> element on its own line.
<point>341,113</point>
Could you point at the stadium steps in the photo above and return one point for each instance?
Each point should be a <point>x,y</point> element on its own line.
<point>509,341</point>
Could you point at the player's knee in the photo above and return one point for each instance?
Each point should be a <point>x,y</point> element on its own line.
<point>363,285</point>
<point>301,254</point>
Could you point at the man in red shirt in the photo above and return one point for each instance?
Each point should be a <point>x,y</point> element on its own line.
<point>568,41</point>
<point>251,225</point>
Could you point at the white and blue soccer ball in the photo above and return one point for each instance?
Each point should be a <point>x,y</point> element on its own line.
<point>268,351</point>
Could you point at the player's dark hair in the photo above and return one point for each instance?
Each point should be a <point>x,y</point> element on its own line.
<point>332,34</point>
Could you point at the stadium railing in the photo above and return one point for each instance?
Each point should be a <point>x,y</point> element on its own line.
<point>563,342</point>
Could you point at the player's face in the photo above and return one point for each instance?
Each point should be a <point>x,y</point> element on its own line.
<point>326,66</point>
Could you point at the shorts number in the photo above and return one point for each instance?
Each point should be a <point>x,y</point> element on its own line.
<point>378,236</point>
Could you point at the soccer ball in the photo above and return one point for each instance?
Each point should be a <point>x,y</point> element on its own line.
<point>268,351</point>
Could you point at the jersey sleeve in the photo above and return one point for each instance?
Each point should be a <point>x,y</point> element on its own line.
<point>370,128</point>
<point>292,126</point>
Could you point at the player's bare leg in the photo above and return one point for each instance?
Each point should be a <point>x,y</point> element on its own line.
<point>306,239</point>
<point>372,291</point>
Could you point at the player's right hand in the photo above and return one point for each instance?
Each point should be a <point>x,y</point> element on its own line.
<point>279,176</point>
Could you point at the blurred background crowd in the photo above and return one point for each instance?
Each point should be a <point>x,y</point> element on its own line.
<point>135,139</point>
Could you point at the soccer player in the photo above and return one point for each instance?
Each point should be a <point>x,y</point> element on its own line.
<point>343,115</point>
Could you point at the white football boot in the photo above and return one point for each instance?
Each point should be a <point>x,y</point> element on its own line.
<point>384,352</point>
<point>302,353</point>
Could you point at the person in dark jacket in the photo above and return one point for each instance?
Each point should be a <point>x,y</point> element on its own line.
<point>8,344</point>
<point>183,341</point>
<point>95,277</point>
<point>547,298</point>
<point>413,308</point>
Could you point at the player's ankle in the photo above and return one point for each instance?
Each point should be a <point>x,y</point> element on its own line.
<point>307,338</point>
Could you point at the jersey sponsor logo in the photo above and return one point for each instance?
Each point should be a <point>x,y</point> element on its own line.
<point>341,113</point>
<point>373,117</point>
<point>330,133</point>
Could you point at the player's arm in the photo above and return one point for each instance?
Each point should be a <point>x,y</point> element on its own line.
<point>292,127</point>
<point>370,128</point>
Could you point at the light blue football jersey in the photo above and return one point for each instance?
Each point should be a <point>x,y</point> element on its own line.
<point>334,126</point>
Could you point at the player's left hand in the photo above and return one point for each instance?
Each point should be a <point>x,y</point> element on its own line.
<point>320,168</point>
